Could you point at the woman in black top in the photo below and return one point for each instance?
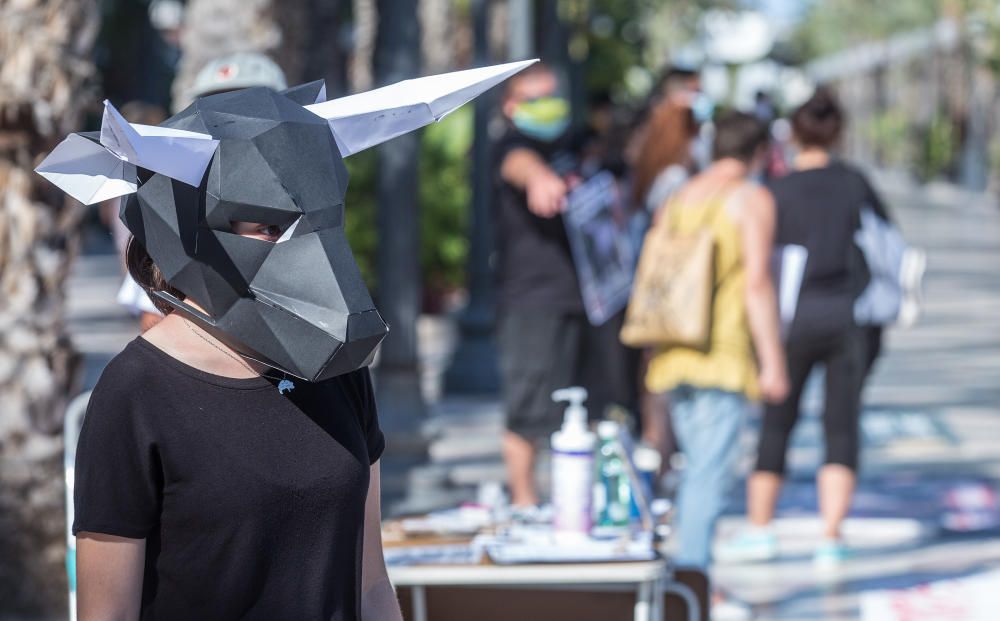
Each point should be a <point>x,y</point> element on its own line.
<point>819,207</point>
<point>205,493</point>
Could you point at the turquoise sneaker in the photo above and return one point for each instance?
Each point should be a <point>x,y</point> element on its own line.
<point>830,554</point>
<point>751,546</point>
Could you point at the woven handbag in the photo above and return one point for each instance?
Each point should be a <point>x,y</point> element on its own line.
<point>671,301</point>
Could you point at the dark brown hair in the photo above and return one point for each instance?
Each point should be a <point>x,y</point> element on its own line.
<point>738,135</point>
<point>667,142</point>
<point>142,269</point>
<point>819,121</point>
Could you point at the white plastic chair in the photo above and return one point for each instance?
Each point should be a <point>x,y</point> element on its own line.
<point>71,433</point>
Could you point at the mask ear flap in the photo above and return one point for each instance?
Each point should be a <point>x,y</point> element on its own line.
<point>306,94</point>
<point>87,171</point>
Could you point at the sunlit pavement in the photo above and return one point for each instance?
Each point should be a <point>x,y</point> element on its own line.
<point>926,510</point>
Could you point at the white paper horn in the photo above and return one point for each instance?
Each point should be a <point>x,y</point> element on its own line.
<point>370,118</point>
<point>87,171</point>
<point>92,172</point>
<point>176,153</point>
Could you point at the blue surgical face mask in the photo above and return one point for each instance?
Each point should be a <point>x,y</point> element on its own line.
<point>702,107</point>
<point>544,119</point>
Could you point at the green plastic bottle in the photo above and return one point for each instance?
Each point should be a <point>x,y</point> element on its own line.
<point>612,490</point>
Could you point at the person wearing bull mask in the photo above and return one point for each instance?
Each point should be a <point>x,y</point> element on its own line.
<point>227,467</point>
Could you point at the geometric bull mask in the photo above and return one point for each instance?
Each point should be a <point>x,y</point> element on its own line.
<point>298,305</point>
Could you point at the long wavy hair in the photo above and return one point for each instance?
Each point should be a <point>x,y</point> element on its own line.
<point>669,133</point>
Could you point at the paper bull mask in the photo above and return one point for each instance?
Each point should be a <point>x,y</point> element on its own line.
<point>298,305</point>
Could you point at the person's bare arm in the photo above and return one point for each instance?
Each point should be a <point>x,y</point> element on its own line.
<point>378,599</point>
<point>526,170</point>
<point>109,577</point>
<point>757,221</point>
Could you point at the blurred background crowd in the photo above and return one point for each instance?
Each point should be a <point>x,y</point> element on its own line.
<point>905,91</point>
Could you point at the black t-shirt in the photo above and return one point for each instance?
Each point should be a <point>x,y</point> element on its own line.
<point>820,209</point>
<point>534,262</point>
<point>251,502</point>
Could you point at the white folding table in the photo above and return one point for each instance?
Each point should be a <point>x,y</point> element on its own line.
<point>649,578</point>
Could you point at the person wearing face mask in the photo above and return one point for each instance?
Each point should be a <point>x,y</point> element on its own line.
<point>543,335</point>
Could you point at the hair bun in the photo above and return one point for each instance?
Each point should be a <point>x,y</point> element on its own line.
<point>823,103</point>
<point>819,120</point>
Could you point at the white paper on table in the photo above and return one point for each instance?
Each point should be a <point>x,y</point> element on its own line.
<point>370,118</point>
<point>435,554</point>
<point>541,544</point>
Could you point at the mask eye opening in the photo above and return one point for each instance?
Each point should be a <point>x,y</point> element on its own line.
<point>270,232</point>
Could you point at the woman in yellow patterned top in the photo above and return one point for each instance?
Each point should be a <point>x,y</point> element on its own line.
<point>710,389</point>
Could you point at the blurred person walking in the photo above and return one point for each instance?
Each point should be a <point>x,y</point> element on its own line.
<point>710,388</point>
<point>819,207</point>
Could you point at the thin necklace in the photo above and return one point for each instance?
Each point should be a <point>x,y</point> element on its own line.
<point>285,385</point>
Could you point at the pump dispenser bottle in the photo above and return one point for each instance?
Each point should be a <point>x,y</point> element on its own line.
<point>572,467</point>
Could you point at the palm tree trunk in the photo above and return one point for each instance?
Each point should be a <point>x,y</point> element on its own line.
<point>45,88</point>
<point>365,23</point>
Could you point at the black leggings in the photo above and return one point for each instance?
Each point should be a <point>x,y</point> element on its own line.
<point>844,358</point>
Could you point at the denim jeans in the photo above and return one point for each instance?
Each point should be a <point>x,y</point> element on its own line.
<point>707,423</point>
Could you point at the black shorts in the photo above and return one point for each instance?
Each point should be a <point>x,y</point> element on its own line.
<point>541,352</point>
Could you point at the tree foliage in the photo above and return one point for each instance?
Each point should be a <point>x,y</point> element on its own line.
<point>445,194</point>
<point>834,25</point>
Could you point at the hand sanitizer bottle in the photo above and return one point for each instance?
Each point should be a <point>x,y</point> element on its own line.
<point>572,467</point>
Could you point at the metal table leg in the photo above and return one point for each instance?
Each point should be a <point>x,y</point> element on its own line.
<point>419,602</point>
<point>656,614</point>
<point>684,592</point>
<point>644,601</point>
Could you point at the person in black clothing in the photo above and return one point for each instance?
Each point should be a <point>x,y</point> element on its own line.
<point>819,207</point>
<point>202,492</point>
<point>545,340</point>
<point>228,462</point>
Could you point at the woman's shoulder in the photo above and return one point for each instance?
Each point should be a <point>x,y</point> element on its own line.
<point>357,386</point>
<point>126,395</point>
<point>132,372</point>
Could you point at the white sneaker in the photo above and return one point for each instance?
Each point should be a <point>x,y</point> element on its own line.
<point>751,546</point>
<point>831,554</point>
